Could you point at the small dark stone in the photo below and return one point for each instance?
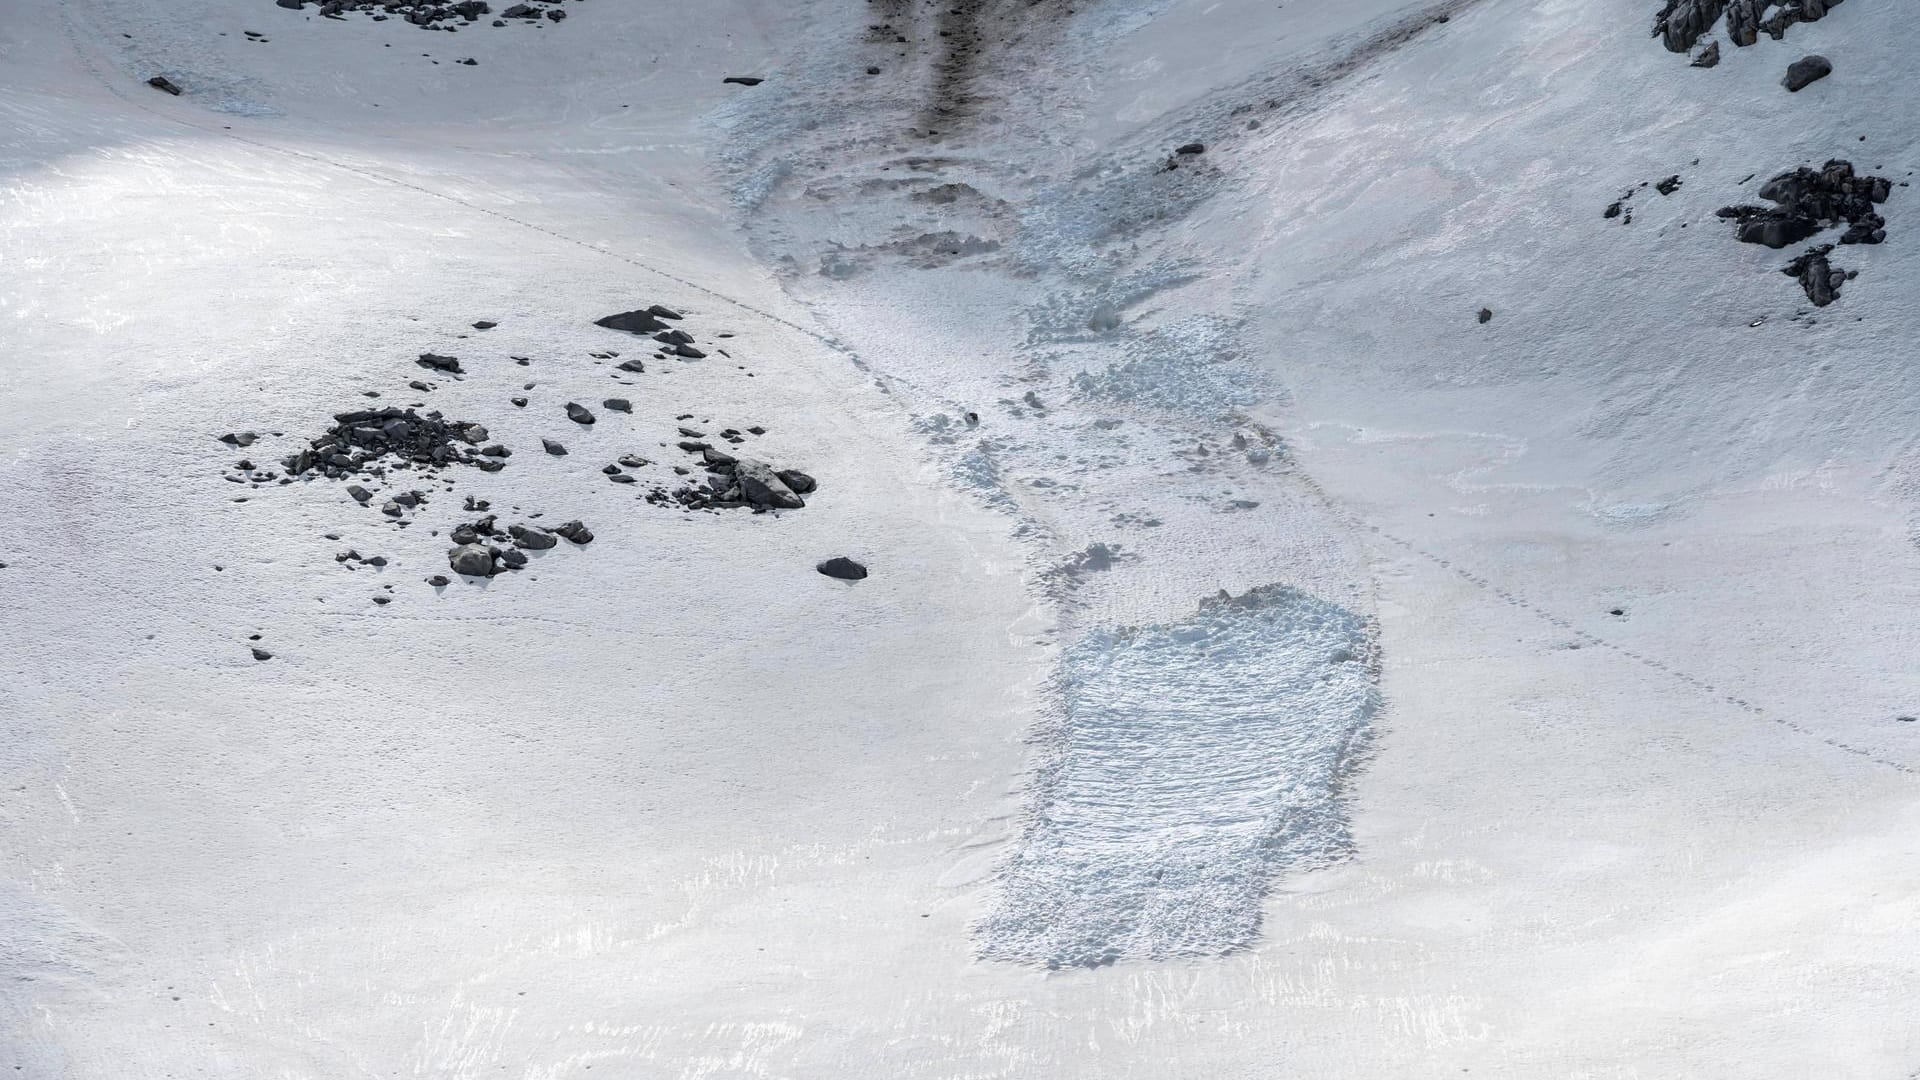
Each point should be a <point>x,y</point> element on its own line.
<point>689,352</point>
<point>743,80</point>
<point>554,448</point>
<point>485,325</point>
<point>1668,186</point>
<point>800,482</point>
<point>843,568</point>
<point>1191,149</point>
<point>575,531</point>
<point>161,82</point>
<point>262,654</point>
<point>578,413</point>
<point>617,404</point>
<point>519,402</point>
<point>1486,315</point>
<point>439,363</point>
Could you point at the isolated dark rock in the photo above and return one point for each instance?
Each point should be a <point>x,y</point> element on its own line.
<point>161,82</point>
<point>689,352</point>
<point>553,448</point>
<point>1668,186</point>
<point>615,404</point>
<point>484,324</point>
<point>743,80</point>
<point>439,363</point>
<point>1804,71</point>
<point>439,580</point>
<point>843,568</point>
<point>578,413</point>
<point>262,654</point>
<point>1486,315</point>
<point>1192,149</point>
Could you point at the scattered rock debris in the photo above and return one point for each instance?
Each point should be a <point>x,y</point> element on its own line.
<point>433,16</point>
<point>358,442</point>
<point>374,447</point>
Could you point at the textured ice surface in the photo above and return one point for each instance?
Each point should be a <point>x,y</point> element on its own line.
<point>1192,763</point>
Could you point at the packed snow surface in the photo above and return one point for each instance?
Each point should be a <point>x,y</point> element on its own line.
<point>1557,721</point>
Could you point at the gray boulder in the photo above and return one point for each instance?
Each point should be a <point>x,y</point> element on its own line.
<point>1806,70</point>
<point>761,486</point>
<point>471,560</point>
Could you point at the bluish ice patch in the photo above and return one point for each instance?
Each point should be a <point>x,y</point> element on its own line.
<point>1191,765</point>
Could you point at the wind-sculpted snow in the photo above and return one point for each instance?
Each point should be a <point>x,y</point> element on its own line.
<point>1192,764</point>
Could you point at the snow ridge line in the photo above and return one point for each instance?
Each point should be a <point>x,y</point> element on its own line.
<point>1355,520</point>
<point>86,60</point>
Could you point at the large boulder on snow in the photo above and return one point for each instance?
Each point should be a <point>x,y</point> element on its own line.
<point>471,560</point>
<point>761,486</point>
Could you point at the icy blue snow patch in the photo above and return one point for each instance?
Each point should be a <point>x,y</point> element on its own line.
<point>1191,764</point>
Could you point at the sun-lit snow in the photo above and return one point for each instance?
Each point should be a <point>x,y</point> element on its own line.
<point>1616,586</point>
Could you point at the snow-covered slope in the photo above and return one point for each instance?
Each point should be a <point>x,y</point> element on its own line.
<point>1269,664</point>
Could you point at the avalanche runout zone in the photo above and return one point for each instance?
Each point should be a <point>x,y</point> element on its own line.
<point>1191,764</point>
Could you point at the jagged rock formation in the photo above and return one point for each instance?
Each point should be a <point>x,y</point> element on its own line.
<point>1681,23</point>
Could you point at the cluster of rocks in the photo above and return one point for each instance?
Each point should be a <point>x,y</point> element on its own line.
<point>482,549</point>
<point>433,16</point>
<point>1680,24</point>
<point>1806,71</point>
<point>653,322</point>
<point>359,442</point>
<point>734,481</point>
<point>1806,202</point>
